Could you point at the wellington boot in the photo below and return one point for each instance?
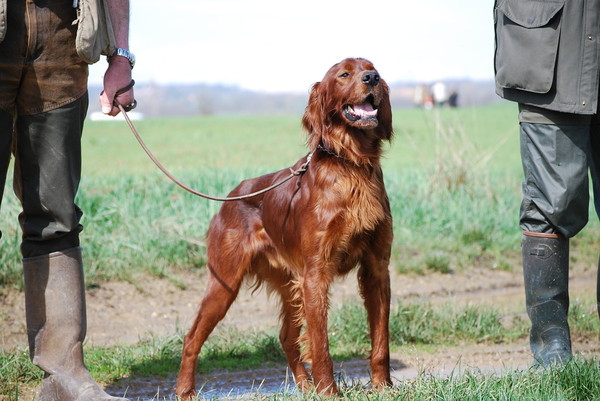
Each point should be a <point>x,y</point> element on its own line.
<point>546,273</point>
<point>56,326</point>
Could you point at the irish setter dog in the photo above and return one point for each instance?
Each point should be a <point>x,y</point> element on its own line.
<point>297,238</point>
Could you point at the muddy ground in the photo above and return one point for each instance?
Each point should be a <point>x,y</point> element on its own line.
<point>123,313</point>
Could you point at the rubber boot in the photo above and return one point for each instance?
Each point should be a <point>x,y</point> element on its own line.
<point>56,326</point>
<point>546,273</point>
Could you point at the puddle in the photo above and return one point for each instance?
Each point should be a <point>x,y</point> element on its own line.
<point>155,390</point>
<point>278,380</point>
<point>219,385</point>
<point>234,385</point>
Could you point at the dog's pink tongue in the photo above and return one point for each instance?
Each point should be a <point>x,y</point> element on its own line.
<point>365,109</point>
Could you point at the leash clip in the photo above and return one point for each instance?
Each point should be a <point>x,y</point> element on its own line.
<point>304,166</point>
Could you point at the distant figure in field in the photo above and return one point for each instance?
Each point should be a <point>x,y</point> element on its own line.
<point>453,99</point>
<point>440,94</point>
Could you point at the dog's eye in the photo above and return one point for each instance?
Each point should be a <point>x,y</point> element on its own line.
<point>345,75</point>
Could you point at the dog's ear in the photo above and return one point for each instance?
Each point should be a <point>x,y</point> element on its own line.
<point>384,114</point>
<point>312,120</point>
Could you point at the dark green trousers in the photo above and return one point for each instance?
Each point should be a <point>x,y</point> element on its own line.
<point>47,149</point>
<point>559,151</point>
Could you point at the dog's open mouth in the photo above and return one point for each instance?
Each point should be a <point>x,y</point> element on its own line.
<point>364,113</point>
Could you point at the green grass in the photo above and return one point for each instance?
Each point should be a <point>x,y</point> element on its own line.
<point>420,324</point>
<point>131,220</point>
<point>577,381</point>
<point>453,178</point>
<point>415,324</point>
<point>197,144</point>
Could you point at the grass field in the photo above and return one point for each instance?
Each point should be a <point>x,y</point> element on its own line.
<point>487,133</point>
<point>453,177</point>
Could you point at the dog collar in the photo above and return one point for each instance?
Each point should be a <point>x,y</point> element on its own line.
<point>330,152</point>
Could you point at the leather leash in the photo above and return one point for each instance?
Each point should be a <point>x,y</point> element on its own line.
<point>293,173</point>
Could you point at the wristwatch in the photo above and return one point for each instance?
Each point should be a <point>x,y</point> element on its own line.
<point>123,53</point>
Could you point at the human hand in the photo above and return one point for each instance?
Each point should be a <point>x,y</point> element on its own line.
<point>117,76</point>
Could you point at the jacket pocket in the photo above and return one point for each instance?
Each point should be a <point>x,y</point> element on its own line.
<point>527,37</point>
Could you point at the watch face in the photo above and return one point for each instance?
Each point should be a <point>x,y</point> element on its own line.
<point>127,54</point>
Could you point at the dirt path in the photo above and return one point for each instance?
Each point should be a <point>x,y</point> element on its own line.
<point>121,313</point>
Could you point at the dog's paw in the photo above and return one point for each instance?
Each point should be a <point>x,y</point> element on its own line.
<point>185,394</point>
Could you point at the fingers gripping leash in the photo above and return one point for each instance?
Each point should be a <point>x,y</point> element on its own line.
<point>129,106</point>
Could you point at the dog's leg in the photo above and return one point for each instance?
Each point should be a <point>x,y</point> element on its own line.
<point>215,304</point>
<point>374,282</point>
<point>316,305</point>
<point>289,335</point>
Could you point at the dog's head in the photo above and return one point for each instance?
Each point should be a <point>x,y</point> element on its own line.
<point>351,98</point>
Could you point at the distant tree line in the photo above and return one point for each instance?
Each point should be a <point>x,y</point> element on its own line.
<point>201,99</point>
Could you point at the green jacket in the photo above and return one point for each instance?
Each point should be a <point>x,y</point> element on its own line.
<point>95,35</point>
<point>547,53</point>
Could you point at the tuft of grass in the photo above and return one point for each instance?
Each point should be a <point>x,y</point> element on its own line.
<point>575,381</point>
<point>583,318</point>
<point>476,236</point>
<point>447,231</point>
<point>420,324</point>
<point>16,370</point>
<point>438,262</point>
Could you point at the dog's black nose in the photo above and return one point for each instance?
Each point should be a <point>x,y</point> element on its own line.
<point>371,78</point>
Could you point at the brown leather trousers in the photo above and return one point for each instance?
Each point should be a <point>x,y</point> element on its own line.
<point>43,103</point>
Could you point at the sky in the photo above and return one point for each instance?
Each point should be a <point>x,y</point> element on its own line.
<point>286,46</point>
